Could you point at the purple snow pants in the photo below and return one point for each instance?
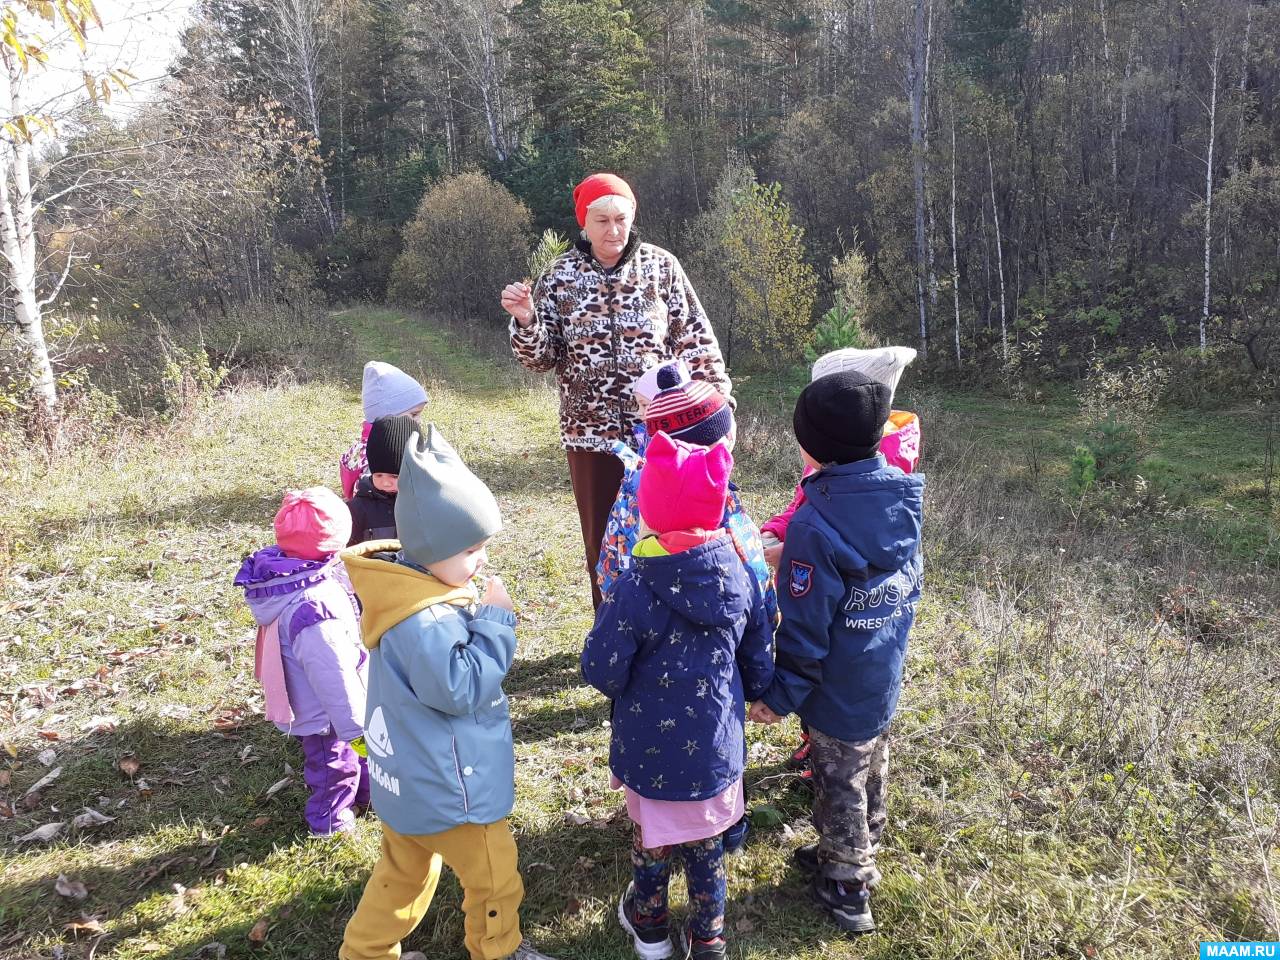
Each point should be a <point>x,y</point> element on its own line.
<point>339,781</point>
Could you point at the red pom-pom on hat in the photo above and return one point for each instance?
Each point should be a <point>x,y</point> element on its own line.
<point>596,186</point>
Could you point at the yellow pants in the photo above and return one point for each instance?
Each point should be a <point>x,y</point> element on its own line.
<point>402,884</point>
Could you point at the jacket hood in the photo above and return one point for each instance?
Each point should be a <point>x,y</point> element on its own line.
<point>392,592</point>
<point>270,578</point>
<point>697,583</point>
<point>876,509</point>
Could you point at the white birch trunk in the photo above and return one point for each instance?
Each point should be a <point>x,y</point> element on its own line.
<point>1208,193</point>
<point>995,214</point>
<point>955,257</point>
<point>18,241</point>
<point>916,80</point>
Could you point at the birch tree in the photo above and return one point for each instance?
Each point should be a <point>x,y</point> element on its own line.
<point>917,80</point>
<point>301,41</point>
<point>22,52</point>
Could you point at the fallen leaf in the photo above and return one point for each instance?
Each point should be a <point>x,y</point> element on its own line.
<point>129,765</point>
<point>10,749</point>
<point>575,819</point>
<point>572,907</point>
<point>73,889</point>
<point>744,926</point>
<point>6,777</point>
<point>217,951</point>
<point>90,818</point>
<point>6,811</point>
<point>47,757</point>
<point>144,788</point>
<point>258,935</point>
<point>85,925</point>
<point>43,834</point>
<point>44,781</point>
<point>49,735</point>
<point>100,724</point>
<point>260,821</point>
<point>278,786</point>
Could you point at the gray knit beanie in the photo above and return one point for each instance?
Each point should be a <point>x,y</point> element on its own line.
<point>442,507</point>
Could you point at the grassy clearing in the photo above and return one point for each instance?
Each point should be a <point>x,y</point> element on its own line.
<point>1085,762</point>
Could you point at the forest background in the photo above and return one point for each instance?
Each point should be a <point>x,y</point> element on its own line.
<point>1028,192</point>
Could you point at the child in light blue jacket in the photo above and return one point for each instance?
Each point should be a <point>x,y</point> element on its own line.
<point>438,728</point>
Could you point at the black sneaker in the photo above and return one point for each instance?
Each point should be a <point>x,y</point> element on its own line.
<point>806,857</point>
<point>848,902</point>
<point>689,947</point>
<point>651,941</point>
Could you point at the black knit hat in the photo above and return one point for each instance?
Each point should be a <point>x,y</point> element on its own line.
<point>387,439</point>
<point>840,418</point>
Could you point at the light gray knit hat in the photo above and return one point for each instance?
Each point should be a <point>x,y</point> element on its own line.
<point>388,391</point>
<point>442,508</point>
<point>884,364</point>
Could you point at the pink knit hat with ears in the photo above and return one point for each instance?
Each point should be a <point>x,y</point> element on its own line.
<point>682,485</point>
<point>312,524</point>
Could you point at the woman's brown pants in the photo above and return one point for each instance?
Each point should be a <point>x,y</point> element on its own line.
<point>596,478</point>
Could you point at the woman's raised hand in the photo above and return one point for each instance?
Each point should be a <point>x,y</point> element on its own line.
<point>517,300</point>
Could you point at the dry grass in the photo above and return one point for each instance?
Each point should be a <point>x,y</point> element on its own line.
<point>1085,762</point>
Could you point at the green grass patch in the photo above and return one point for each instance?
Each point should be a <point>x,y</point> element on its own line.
<point>1084,761</point>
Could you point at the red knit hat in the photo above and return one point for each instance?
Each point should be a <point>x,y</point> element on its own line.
<point>312,523</point>
<point>682,485</point>
<point>694,411</point>
<point>596,186</point>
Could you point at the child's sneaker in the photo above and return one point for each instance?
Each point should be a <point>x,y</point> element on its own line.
<point>848,902</point>
<point>651,940</point>
<point>735,838</point>
<point>689,947</point>
<point>806,857</point>
<point>800,756</point>
<point>526,952</point>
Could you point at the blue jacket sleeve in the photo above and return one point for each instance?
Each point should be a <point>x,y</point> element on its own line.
<point>755,653</point>
<point>462,664</point>
<point>810,589</point>
<point>611,644</point>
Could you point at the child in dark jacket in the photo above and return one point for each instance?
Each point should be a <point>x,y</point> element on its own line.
<point>678,642</point>
<point>373,508</point>
<point>695,412</point>
<point>849,582</point>
<point>309,658</point>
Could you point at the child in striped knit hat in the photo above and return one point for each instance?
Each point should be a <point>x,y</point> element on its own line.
<point>696,412</point>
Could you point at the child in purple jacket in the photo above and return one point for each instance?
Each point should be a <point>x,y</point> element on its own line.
<point>309,657</point>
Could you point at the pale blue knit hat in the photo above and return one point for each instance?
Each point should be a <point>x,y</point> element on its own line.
<point>388,391</point>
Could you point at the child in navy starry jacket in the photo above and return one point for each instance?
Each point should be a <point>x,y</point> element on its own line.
<point>678,643</point>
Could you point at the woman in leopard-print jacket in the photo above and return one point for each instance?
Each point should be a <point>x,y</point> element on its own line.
<point>601,315</point>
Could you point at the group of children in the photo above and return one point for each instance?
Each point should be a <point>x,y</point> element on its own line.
<point>379,651</point>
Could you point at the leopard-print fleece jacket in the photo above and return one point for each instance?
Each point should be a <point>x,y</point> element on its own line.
<point>599,329</point>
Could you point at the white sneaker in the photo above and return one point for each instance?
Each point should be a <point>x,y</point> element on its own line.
<point>526,951</point>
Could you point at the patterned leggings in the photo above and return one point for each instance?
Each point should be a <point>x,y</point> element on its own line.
<point>704,875</point>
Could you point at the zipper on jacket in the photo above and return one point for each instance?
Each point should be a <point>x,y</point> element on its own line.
<point>453,745</point>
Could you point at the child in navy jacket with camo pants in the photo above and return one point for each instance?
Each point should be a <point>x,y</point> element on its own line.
<point>848,584</point>
<point>679,643</point>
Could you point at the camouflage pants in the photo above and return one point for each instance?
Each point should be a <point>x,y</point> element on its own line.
<point>848,805</point>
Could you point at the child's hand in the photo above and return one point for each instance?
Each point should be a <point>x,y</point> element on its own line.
<point>773,555</point>
<point>517,300</point>
<point>495,595</point>
<point>760,713</point>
